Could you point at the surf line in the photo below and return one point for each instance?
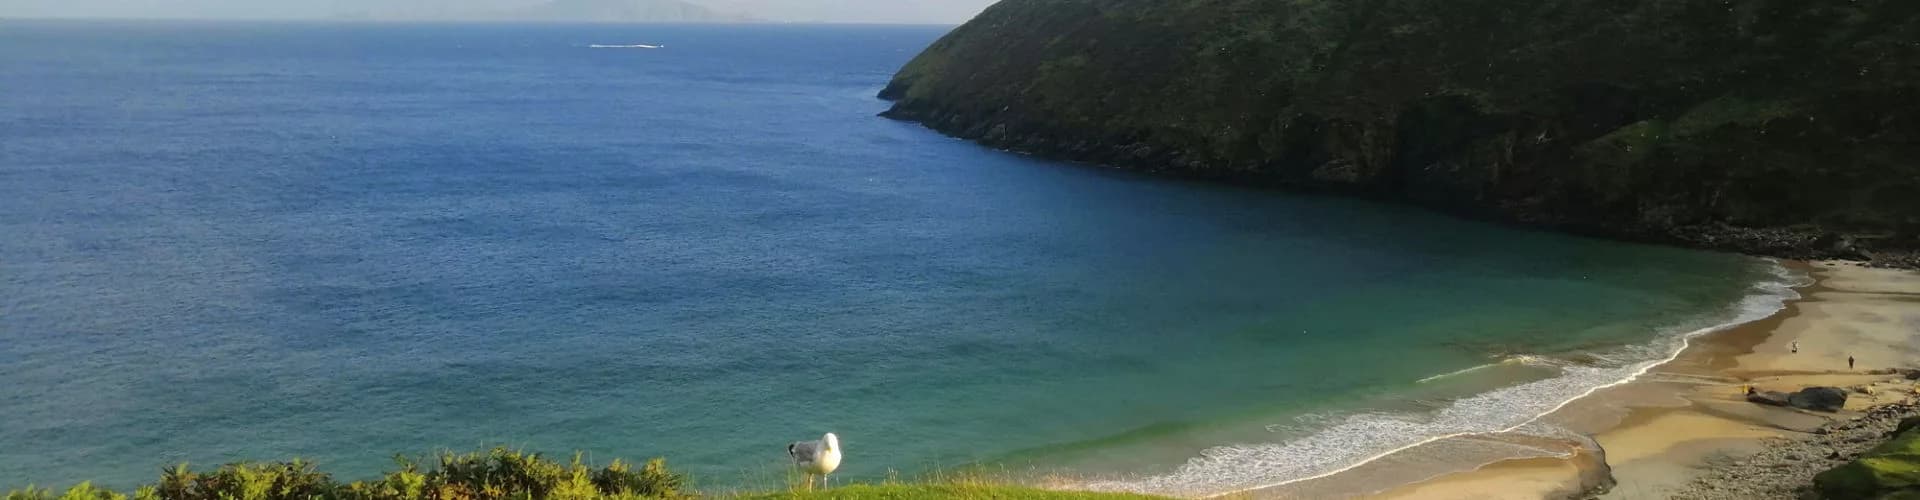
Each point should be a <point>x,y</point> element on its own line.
<point>1686,341</point>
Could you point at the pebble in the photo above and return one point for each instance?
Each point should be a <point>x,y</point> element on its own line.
<point>1780,471</point>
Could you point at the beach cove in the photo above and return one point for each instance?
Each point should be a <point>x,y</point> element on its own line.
<point>241,241</point>
<point>1666,433</point>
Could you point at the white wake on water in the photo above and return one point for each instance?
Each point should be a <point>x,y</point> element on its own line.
<point>1355,440</point>
<point>1519,359</point>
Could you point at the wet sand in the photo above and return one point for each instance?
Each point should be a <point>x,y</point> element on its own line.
<point>1659,432</point>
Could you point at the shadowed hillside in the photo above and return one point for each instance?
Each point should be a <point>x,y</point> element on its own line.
<point>1782,127</point>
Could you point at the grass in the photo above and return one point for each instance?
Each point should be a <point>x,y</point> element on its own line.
<point>499,473</point>
<point>1887,469</point>
<point>959,491</point>
<point>505,474</point>
<point>969,483</point>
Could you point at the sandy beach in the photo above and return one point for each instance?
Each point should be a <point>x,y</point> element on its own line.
<point>1658,434</point>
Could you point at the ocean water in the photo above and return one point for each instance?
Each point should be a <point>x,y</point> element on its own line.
<point>229,241</point>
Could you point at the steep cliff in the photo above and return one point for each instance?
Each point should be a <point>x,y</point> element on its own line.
<point>1783,127</point>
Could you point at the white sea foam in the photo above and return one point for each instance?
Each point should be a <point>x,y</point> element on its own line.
<point>1518,359</point>
<point>635,46</point>
<point>1348,441</point>
<point>1456,373</point>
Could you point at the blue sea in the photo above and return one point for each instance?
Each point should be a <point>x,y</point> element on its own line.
<point>252,241</point>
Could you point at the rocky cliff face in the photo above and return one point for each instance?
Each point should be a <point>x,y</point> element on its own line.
<point>1782,127</point>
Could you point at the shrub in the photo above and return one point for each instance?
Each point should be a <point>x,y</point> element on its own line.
<point>496,474</point>
<point>82,491</point>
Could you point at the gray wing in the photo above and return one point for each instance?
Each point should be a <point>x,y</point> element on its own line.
<point>804,451</point>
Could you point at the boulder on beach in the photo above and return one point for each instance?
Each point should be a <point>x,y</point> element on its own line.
<point>1769,398</point>
<point>1827,399</point>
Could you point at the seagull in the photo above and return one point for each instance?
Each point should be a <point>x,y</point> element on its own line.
<point>816,457</point>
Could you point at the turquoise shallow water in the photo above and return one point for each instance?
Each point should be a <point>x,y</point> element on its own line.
<point>235,241</point>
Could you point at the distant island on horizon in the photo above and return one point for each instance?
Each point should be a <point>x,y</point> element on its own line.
<point>583,11</point>
<point>898,12</point>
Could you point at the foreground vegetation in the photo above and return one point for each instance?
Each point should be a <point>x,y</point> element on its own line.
<point>960,491</point>
<point>501,474</point>
<point>1891,470</point>
<point>496,474</point>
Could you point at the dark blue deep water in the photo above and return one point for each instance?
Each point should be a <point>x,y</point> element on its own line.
<point>258,241</point>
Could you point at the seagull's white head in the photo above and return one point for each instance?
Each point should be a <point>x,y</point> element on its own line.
<point>832,441</point>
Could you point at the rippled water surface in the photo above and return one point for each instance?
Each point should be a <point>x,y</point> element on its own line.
<point>254,241</point>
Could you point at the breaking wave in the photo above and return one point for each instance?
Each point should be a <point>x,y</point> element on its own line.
<point>1349,441</point>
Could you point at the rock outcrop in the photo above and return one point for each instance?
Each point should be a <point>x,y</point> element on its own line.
<point>1891,470</point>
<point>1824,399</point>
<point>1769,398</point>
<point>1786,467</point>
<point>1827,399</point>
<point>1779,127</point>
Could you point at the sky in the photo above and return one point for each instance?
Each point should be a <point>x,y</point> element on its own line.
<point>854,11</point>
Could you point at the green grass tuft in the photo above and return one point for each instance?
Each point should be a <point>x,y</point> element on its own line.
<point>957,491</point>
<point>1887,469</point>
<point>505,474</point>
<point>499,473</point>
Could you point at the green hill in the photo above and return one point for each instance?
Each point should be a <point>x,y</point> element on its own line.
<point>1783,127</point>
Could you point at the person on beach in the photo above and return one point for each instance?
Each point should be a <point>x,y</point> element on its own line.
<point>1849,362</point>
<point>1796,347</point>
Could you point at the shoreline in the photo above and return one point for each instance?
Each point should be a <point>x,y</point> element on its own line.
<point>1848,310</point>
<point>1512,421</point>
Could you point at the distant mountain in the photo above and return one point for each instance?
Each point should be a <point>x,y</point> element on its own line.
<point>620,11</point>
<point>580,11</point>
<point>855,11</point>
